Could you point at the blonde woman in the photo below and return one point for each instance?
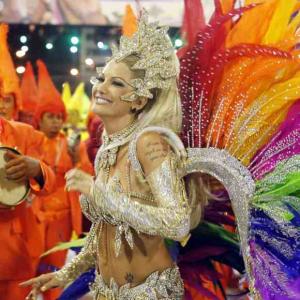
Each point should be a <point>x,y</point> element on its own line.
<point>241,118</point>
<point>137,198</point>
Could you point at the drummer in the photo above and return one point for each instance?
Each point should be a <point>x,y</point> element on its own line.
<point>21,241</point>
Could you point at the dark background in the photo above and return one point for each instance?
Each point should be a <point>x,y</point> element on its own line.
<point>59,59</point>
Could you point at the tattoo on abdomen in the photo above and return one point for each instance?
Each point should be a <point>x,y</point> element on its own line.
<point>129,277</point>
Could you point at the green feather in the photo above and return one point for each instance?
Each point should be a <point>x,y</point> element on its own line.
<point>65,246</point>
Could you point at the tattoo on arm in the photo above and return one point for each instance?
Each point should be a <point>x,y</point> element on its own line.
<point>156,150</point>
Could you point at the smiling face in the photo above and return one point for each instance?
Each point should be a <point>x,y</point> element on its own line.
<point>112,84</point>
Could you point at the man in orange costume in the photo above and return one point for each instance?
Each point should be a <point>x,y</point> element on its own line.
<point>21,239</point>
<point>22,242</point>
<point>61,209</point>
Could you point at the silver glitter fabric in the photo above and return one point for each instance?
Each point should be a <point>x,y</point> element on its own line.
<point>107,154</point>
<point>280,176</point>
<point>110,203</point>
<point>234,176</point>
<point>153,47</point>
<point>170,217</point>
<point>166,285</point>
<point>168,189</point>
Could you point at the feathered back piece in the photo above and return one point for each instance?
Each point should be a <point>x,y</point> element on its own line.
<point>239,64</point>
<point>240,86</point>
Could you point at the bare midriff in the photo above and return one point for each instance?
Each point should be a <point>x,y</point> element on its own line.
<point>132,265</point>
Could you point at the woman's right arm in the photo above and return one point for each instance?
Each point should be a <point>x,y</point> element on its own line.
<point>80,263</point>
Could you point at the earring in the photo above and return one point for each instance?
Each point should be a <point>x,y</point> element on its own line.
<point>133,110</point>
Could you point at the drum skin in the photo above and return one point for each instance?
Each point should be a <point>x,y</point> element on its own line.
<point>11,193</point>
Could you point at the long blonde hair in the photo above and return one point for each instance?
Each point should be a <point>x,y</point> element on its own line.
<point>165,107</point>
<point>165,110</point>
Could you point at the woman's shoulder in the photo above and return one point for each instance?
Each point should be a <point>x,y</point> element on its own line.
<point>150,134</point>
<point>149,138</point>
<point>151,144</point>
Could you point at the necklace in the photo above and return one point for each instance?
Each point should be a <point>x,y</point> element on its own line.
<point>107,154</point>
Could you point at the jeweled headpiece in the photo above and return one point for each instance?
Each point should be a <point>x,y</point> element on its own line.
<point>153,48</point>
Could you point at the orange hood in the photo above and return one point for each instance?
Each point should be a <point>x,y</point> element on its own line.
<point>49,98</point>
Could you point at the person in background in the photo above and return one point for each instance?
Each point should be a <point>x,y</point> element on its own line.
<point>60,210</point>
<point>95,129</point>
<point>79,132</point>
<point>20,231</point>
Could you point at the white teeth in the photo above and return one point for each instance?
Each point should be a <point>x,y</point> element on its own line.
<point>101,101</point>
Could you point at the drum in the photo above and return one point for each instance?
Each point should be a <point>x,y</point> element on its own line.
<point>11,193</point>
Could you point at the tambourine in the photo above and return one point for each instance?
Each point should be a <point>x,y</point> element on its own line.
<point>11,193</point>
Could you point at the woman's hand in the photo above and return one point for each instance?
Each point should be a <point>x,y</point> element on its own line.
<point>41,284</point>
<point>77,180</point>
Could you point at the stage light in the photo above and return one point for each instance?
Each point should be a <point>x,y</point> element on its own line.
<point>24,48</point>
<point>74,40</point>
<point>49,46</point>
<point>74,72</point>
<point>74,49</point>
<point>89,61</point>
<point>20,69</point>
<point>178,43</point>
<point>20,53</point>
<point>100,45</point>
<point>23,39</point>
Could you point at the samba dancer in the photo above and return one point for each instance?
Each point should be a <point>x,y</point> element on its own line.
<point>138,197</point>
<point>126,104</point>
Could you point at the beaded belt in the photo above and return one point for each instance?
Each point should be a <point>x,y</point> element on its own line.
<point>166,285</point>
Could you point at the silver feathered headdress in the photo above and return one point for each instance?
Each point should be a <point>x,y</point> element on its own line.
<point>153,48</point>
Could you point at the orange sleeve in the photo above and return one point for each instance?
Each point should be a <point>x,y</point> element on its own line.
<point>35,148</point>
<point>76,214</point>
<point>49,181</point>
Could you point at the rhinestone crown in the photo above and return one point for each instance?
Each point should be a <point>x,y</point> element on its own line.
<point>153,48</point>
